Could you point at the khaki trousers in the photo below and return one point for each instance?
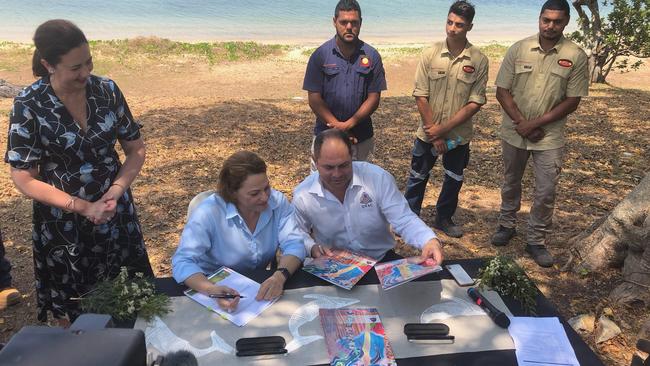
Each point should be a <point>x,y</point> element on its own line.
<point>547,165</point>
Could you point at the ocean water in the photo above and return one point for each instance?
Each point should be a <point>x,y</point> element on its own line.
<point>284,21</point>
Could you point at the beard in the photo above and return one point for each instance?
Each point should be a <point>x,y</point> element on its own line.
<point>342,37</point>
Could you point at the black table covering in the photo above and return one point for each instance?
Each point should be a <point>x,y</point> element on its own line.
<point>302,279</point>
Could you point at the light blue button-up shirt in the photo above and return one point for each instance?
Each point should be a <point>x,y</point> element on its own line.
<point>216,235</point>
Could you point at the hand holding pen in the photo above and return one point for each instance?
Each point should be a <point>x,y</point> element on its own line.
<point>227,298</point>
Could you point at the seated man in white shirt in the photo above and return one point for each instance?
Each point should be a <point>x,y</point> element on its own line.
<point>352,205</point>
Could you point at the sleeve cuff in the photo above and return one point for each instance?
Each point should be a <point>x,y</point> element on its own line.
<point>296,249</point>
<point>180,275</point>
<point>309,243</point>
<point>502,85</point>
<point>477,99</point>
<point>428,236</point>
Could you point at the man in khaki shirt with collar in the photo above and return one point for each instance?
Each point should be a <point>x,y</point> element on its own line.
<point>449,89</point>
<point>540,82</point>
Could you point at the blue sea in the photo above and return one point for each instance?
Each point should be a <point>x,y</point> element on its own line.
<point>283,21</point>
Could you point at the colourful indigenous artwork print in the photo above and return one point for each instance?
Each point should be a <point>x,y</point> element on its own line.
<point>397,272</point>
<point>343,268</point>
<point>356,337</point>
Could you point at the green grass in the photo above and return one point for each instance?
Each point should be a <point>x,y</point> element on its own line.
<point>138,53</point>
<point>494,51</point>
<point>308,51</point>
<point>14,55</point>
<point>137,50</point>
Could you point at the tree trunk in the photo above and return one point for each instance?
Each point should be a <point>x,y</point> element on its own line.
<point>621,239</point>
<point>596,69</point>
<point>8,90</point>
<point>593,44</point>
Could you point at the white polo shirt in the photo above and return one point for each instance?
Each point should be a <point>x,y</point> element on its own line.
<point>362,222</point>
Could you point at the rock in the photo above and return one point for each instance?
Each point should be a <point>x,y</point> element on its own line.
<point>645,330</point>
<point>607,330</point>
<point>583,323</point>
<point>8,90</point>
<point>608,312</point>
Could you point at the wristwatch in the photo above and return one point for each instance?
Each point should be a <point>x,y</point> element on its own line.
<point>285,272</point>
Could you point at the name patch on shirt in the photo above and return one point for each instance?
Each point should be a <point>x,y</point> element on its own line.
<point>469,69</point>
<point>564,62</point>
<point>365,200</point>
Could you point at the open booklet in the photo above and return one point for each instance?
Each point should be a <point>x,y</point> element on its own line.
<point>248,307</point>
<point>343,268</point>
<point>356,337</point>
<point>397,272</point>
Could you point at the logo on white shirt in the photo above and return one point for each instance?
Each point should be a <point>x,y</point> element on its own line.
<point>365,200</point>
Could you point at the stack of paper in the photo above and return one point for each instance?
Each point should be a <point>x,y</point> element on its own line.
<point>541,342</point>
<point>247,309</point>
<point>343,268</point>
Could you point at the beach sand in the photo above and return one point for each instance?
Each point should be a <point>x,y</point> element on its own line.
<point>195,114</point>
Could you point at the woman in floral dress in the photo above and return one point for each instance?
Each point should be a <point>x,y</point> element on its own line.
<point>61,148</point>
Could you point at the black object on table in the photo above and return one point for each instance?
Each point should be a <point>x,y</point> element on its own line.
<point>302,279</point>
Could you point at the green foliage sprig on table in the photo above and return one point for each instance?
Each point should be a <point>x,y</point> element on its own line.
<point>505,277</point>
<point>125,298</point>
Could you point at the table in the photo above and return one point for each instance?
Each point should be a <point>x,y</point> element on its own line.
<point>302,279</point>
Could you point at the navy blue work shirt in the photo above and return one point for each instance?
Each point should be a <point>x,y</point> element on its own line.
<point>344,84</point>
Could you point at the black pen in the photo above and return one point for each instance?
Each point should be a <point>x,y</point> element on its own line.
<point>225,296</point>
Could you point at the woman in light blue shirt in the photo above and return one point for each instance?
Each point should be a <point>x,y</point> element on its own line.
<point>240,226</point>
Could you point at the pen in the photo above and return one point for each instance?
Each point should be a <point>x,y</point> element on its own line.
<point>225,296</point>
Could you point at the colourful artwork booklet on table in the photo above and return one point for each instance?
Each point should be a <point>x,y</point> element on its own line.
<point>247,309</point>
<point>356,337</point>
<point>343,268</point>
<point>397,272</point>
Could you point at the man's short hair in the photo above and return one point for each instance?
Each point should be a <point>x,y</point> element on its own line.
<point>347,5</point>
<point>561,5</point>
<point>463,9</point>
<point>332,133</point>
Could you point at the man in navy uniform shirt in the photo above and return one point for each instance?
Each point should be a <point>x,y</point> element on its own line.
<point>344,79</point>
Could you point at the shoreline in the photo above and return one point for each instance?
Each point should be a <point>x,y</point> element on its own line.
<point>382,42</point>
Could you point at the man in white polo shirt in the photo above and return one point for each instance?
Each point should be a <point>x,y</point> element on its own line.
<point>352,205</point>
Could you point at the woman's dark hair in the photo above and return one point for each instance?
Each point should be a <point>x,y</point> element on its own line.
<point>54,39</point>
<point>234,172</point>
<point>463,9</point>
<point>329,134</point>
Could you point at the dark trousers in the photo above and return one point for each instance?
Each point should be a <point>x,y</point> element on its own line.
<point>453,162</point>
<point>5,267</point>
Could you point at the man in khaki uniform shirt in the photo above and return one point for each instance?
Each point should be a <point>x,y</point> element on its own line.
<point>449,89</point>
<point>540,82</point>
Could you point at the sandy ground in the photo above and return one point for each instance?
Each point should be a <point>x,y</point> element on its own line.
<point>195,115</point>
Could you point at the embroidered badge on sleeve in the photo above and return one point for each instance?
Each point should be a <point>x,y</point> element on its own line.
<point>469,69</point>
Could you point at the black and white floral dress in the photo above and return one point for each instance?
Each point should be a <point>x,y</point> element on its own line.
<point>71,254</point>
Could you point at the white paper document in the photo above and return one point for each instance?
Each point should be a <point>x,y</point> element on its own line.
<point>247,309</point>
<point>541,342</point>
